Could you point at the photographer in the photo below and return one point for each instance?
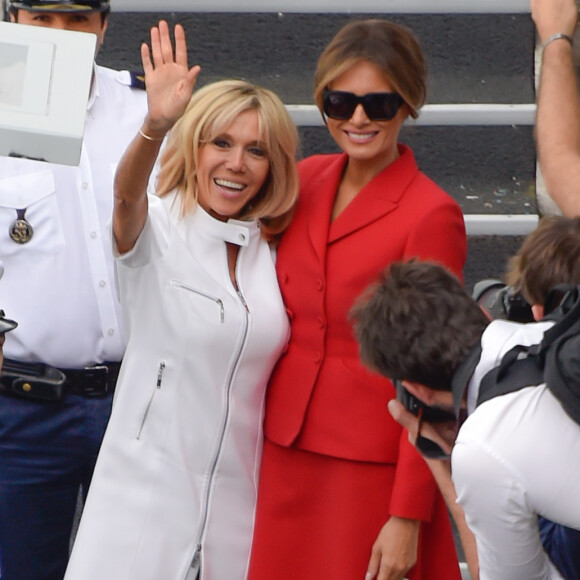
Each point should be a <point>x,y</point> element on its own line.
<point>421,327</point>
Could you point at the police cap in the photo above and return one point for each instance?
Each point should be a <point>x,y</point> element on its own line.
<point>60,5</point>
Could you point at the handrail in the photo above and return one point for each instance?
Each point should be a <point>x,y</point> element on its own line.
<point>500,225</point>
<point>459,114</point>
<point>447,114</point>
<point>329,6</point>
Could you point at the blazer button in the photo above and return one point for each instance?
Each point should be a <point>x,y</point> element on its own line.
<point>321,322</point>
<point>319,285</point>
<point>318,358</point>
<point>283,278</point>
<point>290,314</point>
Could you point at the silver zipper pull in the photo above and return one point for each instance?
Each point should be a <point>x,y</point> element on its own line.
<point>160,374</point>
<point>157,388</point>
<point>243,300</point>
<point>195,563</point>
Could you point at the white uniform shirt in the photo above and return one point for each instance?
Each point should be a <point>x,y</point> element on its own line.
<point>60,285</point>
<point>516,457</point>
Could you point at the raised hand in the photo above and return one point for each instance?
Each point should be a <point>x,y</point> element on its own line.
<point>552,16</point>
<point>169,80</point>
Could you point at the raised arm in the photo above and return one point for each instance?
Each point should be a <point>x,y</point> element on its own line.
<point>558,114</point>
<point>170,84</point>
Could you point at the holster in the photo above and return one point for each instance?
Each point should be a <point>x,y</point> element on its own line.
<point>32,381</point>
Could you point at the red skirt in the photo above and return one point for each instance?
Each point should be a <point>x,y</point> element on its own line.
<point>318,518</point>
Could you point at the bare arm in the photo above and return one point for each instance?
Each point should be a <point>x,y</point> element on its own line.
<point>169,84</point>
<point>442,473</point>
<point>558,114</point>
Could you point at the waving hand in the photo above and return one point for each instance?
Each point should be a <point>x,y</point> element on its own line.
<point>169,80</point>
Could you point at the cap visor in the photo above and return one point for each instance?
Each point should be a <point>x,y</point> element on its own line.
<point>63,8</point>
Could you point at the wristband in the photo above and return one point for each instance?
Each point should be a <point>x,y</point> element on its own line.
<point>558,36</point>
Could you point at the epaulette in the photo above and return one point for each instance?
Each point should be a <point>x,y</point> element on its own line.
<point>137,79</point>
<point>131,78</point>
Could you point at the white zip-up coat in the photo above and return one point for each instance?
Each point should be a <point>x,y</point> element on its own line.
<point>176,478</point>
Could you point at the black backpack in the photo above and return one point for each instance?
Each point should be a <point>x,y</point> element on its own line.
<point>554,361</point>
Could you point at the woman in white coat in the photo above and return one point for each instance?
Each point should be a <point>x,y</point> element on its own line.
<point>174,489</point>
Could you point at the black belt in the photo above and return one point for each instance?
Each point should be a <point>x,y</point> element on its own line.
<point>43,382</point>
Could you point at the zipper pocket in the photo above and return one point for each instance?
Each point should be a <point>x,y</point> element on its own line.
<point>217,301</point>
<point>150,402</point>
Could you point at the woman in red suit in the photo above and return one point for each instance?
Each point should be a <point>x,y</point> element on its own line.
<point>343,495</point>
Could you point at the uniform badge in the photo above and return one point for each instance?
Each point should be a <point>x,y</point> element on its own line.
<point>21,231</point>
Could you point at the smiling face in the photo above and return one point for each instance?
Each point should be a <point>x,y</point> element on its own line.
<point>368,142</point>
<point>232,167</point>
<point>91,22</point>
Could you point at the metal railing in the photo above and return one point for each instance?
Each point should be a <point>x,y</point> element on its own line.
<point>454,114</point>
<point>459,114</point>
<point>326,6</point>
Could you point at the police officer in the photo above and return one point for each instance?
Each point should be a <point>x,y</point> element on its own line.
<point>59,285</point>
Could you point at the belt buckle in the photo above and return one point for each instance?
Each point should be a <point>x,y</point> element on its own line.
<point>97,381</point>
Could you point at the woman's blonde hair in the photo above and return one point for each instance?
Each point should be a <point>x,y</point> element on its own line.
<point>392,48</point>
<point>211,110</point>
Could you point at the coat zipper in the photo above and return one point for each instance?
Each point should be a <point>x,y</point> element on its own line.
<point>196,563</point>
<point>197,555</point>
<point>218,301</point>
<point>157,388</point>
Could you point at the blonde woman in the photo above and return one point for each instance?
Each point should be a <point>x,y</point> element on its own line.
<point>175,486</point>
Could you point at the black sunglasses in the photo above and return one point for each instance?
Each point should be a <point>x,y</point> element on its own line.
<point>378,106</point>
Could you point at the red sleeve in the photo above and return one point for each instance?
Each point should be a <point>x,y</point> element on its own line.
<point>414,488</point>
<point>438,236</point>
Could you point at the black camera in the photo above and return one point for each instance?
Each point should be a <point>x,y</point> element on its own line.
<point>414,405</point>
<point>502,301</point>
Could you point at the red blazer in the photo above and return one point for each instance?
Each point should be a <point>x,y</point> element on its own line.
<point>320,397</point>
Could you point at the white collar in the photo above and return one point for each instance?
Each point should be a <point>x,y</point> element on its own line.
<point>234,231</point>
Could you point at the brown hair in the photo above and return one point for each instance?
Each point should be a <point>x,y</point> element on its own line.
<point>392,48</point>
<point>549,256</point>
<point>212,109</point>
<point>418,324</point>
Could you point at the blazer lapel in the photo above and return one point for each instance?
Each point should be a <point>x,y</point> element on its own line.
<point>379,197</point>
<point>319,199</point>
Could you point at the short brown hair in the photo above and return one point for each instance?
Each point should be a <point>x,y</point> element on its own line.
<point>392,48</point>
<point>212,109</point>
<point>549,256</point>
<point>417,323</point>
